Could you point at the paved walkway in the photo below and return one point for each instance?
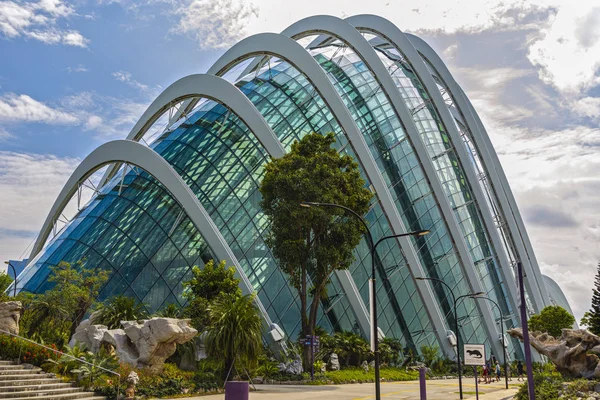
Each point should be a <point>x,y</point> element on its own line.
<point>436,390</point>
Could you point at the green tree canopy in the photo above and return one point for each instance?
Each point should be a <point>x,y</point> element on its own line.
<point>313,242</point>
<point>5,281</point>
<point>55,314</point>
<point>552,320</point>
<point>591,318</point>
<point>206,285</point>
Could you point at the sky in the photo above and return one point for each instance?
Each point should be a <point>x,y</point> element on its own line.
<point>75,74</point>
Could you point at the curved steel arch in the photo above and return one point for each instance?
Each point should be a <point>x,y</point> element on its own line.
<point>213,88</point>
<point>497,176</point>
<point>147,159</point>
<point>390,32</point>
<point>346,32</point>
<point>288,49</point>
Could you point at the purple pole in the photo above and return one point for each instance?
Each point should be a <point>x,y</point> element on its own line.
<point>523,306</point>
<point>476,383</point>
<point>235,390</point>
<point>422,384</point>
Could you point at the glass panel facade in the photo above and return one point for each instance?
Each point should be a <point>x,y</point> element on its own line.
<point>403,174</point>
<point>453,179</point>
<point>134,228</point>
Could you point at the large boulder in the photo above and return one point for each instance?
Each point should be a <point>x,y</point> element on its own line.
<point>143,344</point>
<point>10,313</point>
<point>573,353</point>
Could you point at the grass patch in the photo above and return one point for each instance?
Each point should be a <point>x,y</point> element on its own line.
<point>358,375</point>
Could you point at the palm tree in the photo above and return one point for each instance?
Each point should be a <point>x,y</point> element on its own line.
<point>235,330</point>
<point>117,309</point>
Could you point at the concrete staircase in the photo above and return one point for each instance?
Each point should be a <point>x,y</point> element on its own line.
<point>20,382</point>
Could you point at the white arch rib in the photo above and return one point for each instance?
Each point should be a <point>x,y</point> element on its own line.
<point>384,28</point>
<point>347,33</point>
<point>496,174</point>
<point>285,48</point>
<point>209,87</point>
<point>127,151</point>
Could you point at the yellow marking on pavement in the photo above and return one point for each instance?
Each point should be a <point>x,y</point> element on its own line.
<point>385,394</point>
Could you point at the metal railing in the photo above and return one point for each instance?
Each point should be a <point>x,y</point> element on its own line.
<point>56,352</point>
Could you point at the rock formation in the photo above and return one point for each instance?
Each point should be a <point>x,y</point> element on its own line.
<point>292,367</point>
<point>144,344</point>
<point>575,352</point>
<point>10,313</point>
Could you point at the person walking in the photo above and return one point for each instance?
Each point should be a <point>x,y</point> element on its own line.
<point>519,370</point>
<point>498,371</point>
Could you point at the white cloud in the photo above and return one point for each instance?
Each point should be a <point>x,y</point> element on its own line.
<point>567,51</point>
<point>77,68</point>
<point>124,76</point>
<point>39,21</point>
<point>587,107</point>
<point>30,182</point>
<point>22,108</point>
<point>215,24</point>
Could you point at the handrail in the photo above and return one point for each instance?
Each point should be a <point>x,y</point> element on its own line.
<point>68,355</point>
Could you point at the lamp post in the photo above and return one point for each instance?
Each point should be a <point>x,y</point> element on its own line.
<point>15,274</point>
<point>502,332</point>
<point>454,301</point>
<point>372,248</point>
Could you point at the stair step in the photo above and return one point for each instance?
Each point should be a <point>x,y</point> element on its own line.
<point>41,387</point>
<point>22,371</point>
<point>6,362</point>
<point>44,392</point>
<point>38,380</point>
<point>24,376</point>
<point>10,366</point>
<point>66,396</point>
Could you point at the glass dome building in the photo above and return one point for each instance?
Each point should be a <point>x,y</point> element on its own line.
<point>191,194</point>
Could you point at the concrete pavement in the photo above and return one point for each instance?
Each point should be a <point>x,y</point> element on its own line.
<point>409,390</point>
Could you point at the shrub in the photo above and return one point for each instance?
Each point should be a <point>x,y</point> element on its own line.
<point>169,382</point>
<point>12,348</point>
<point>358,375</point>
<point>548,384</point>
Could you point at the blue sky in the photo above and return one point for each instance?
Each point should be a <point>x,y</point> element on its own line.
<point>75,74</point>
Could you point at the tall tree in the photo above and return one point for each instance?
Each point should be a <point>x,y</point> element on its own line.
<point>311,243</point>
<point>552,320</point>
<point>592,318</point>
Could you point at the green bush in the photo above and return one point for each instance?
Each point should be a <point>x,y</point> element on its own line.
<point>12,348</point>
<point>548,385</point>
<point>358,375</point>
<point>169,382</point>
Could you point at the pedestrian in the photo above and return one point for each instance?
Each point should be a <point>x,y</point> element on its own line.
<point>483,374</point>
<point>497,371</point>
<point>519,370</point>
<point>489,369</point>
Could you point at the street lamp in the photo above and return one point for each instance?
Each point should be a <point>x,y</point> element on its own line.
<point>15,274</point>
<point>372,248</point>
<point>502,333</point>
<point>454,301</point>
